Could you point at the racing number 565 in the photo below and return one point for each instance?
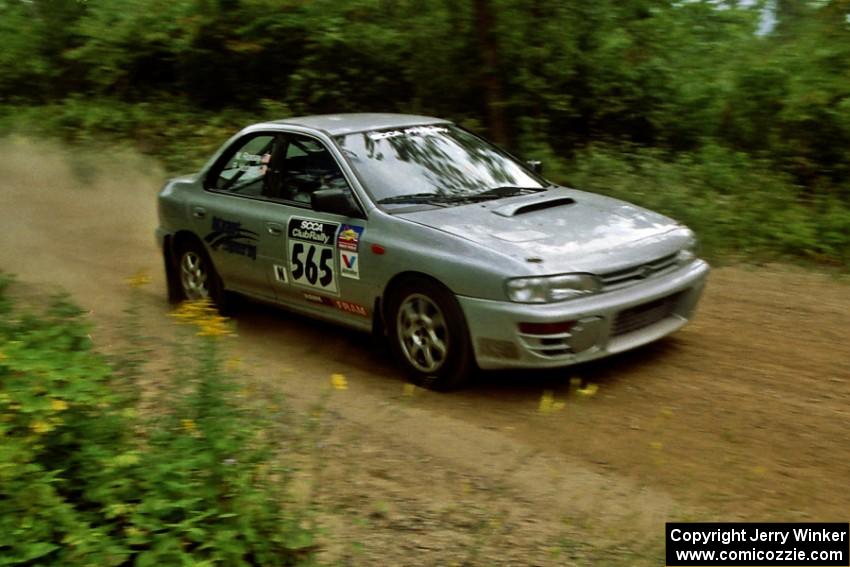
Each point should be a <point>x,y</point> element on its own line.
<point>309,268</point>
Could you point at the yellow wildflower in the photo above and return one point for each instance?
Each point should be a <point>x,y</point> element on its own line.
<point>339,382</point>
<point>203,314</point>
<point>213,327</point>
<point>548,403</point>
<point>193,310</point>
<point>40,427</point>
<point>657,445</point>
<point>188,425</point>
<point>589,390</point>
<point>58,405</point>
<point>139,279</point>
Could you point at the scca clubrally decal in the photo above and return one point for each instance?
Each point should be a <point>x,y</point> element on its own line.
<point>229,236</point>
<point>312,253</point>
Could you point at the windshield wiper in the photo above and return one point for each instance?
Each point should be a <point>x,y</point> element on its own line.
<point>505,191</point>
<point>412,199</point>
<point>443,199</point>
<point>494,193</point>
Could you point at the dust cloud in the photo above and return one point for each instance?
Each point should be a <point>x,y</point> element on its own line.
<point>77,220</point>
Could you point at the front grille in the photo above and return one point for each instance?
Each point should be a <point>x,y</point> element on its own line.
<point>632,274</point>
<point>644,315</point>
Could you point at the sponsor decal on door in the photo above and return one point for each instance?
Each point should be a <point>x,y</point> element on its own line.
<point>345,306</point>
<point>229,236</point>
<point>313,254</point>
<point>349,265</point>
<point>349,237</point>
<point>280,274</point>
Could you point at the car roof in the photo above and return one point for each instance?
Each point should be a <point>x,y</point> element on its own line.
<point>348,123</point>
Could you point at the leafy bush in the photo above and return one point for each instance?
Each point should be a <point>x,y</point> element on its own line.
<point>737,204</point>
<point>86,480</point>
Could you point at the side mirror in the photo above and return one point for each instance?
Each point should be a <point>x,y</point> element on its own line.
<point>536,166</point>
<point>336,201</point>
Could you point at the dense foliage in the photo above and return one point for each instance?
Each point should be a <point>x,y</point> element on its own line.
<point>86,480</point>
<point>545,77</point>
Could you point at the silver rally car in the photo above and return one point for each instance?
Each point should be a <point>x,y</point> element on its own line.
<point>413,227</point>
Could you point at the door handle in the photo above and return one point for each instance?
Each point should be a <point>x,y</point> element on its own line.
<point>199,212</point>
<point>274,229</point>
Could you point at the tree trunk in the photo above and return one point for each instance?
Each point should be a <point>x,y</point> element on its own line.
<point>491,83</point>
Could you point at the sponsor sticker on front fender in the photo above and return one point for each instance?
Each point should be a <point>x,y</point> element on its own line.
<point>349,265</point>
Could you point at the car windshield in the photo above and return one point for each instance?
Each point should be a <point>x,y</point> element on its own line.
<point>434,164</point>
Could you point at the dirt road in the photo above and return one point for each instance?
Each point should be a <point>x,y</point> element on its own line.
<point>742,415</point>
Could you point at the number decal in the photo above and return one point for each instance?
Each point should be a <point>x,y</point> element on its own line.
<point>326,265</point>
<point>312,253</point>
<point>297,266</point>
<point>312,270</point>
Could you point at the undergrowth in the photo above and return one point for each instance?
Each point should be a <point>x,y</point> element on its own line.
<point>88,479</point>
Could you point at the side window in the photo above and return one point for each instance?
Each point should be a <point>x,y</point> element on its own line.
<point>304,167</point>
<point>244,171</point>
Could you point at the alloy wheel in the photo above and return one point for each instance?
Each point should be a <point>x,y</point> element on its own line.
<point>193,276</point>
<point>422,333</point>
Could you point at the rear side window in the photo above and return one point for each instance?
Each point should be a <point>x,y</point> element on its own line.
<point>244,170</point>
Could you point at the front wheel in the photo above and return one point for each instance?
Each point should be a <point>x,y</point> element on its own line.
<point>428,335</point>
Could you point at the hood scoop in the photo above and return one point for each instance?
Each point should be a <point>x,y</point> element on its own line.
<point>515,209</point>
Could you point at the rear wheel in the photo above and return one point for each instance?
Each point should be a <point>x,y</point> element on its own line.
<point>196,275</point>
<point>428,334</point>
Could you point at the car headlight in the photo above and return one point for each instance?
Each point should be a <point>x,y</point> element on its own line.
<point>549,289</point>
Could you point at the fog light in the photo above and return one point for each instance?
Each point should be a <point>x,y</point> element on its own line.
<point>586,334</point>
<point>546,328</point>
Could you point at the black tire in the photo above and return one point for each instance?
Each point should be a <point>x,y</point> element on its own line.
<point>172,280</point>
<point>195,275</point>
<point>415,343</point>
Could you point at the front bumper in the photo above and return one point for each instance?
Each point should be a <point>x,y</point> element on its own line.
<point>606,323</point>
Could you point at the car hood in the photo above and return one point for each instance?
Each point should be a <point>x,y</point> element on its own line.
<point>562,230</point>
